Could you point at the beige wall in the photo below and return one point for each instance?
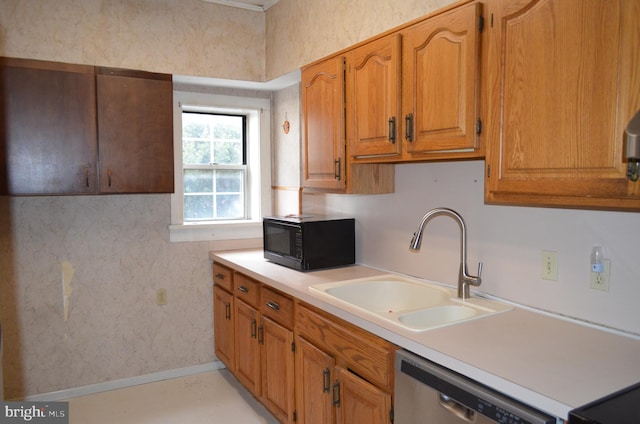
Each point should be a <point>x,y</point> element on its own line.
<point>185,37</point>
<point>301,31</point>
<point>114,253</point>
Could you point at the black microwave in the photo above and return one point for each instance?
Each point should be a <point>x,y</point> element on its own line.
<point>309,242</point>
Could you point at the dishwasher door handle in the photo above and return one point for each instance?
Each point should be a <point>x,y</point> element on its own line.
<point>456,408</point>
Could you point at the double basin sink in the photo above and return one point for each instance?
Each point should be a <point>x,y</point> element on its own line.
<point>408,303</point>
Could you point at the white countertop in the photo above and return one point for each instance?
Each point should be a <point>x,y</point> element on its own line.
<point>552,364</point>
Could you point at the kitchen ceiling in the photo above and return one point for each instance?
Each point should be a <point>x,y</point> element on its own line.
<point>256,5</point>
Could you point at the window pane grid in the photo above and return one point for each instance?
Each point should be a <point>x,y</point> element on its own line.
<point>214,167</point>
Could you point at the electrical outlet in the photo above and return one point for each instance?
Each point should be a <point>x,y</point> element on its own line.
<point>549,269</point>
<point>161,297</point>
<point>600,280</point>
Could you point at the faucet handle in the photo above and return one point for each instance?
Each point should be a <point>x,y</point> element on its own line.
<point>479,269</point>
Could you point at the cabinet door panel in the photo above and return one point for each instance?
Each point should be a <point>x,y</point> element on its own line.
<point>366,354</point>
<point>562,83</point>
<point>323,125</point>
<point>247,349</point>
<point>135,126</point>
<point>223,327</point>
<point>360,401</point>
<point>441,79</point>
<point>47,128</point>
<point>313,384</point>
<point>373,97</point>
<point>277,370</point>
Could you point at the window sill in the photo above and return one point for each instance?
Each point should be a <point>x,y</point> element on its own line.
<point>229,230</point>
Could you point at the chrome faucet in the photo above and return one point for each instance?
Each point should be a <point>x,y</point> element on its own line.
<point>464,279</point>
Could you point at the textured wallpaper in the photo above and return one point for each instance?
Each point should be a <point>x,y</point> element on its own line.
<point>104,257</point>
<point>302,31</point>
<point>184,37</point>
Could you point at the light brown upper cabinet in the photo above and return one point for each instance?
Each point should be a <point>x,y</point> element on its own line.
<point>75,129</point>
<point>440,102</point>
<point>414,94</point>
<point>373,97</point>
<point>562,83</point>
<point>47,128</point>
<point>323,155</point>
<point>326,165</point>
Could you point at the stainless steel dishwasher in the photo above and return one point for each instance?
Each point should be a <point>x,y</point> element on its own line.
<point>426,393</point>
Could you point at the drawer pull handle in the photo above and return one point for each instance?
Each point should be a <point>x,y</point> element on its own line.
<point>220,276</point>
<point>326,380</point>
<point>273,305</point>
<point>243,289</point>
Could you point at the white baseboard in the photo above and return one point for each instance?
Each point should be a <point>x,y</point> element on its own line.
<point>122,383</point>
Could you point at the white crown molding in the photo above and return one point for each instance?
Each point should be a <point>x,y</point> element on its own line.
<point>245,5</point>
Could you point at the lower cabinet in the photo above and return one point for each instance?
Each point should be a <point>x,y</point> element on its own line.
<point>223,327</point>
<point>303,365</point>
<point>247,347</point>
<point>277,370</point>
<point>314,368</point>
<point>359,401</point>
<point>343,374</point>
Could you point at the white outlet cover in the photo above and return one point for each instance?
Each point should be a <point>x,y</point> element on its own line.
<point>600,280</point>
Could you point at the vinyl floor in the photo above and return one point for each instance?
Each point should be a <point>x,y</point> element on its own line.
<point>209,397</point>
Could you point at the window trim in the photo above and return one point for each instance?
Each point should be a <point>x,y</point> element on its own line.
<point>258,138</point>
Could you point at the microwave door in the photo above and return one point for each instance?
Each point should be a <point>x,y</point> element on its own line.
<point>280,238</point>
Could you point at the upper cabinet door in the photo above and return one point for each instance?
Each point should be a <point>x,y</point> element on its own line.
<point>562,78</point>
<point>135,125</point>
<point>47,128</point>
<point>373,97</point>
<point>440,82</point>
<point>323,146</point>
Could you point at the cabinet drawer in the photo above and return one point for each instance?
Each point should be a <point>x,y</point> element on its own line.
<point>247,289</point>
<point>277,306</point>
<point>364,353</point>
<point>223,276</point>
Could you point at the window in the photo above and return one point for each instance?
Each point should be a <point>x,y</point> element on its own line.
<point>222,167</point>
<point>214,164</point>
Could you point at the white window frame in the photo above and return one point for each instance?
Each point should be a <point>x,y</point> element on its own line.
<point>258,184</point>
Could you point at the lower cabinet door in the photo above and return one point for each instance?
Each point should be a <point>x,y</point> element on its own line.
<point>358,401</point>
<point>277,370</point>
<point>247,347</point>
<point>314,369</point>
<point>223,327</point>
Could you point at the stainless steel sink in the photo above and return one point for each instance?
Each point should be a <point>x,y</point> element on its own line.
<point>406,302</point>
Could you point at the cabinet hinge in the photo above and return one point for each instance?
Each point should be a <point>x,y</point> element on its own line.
<point>295,415</point>
<point>488,171</point>
<point>391,415</point>
<point>480,23</point>
<point>293,346</point>
<point>479,126</point>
